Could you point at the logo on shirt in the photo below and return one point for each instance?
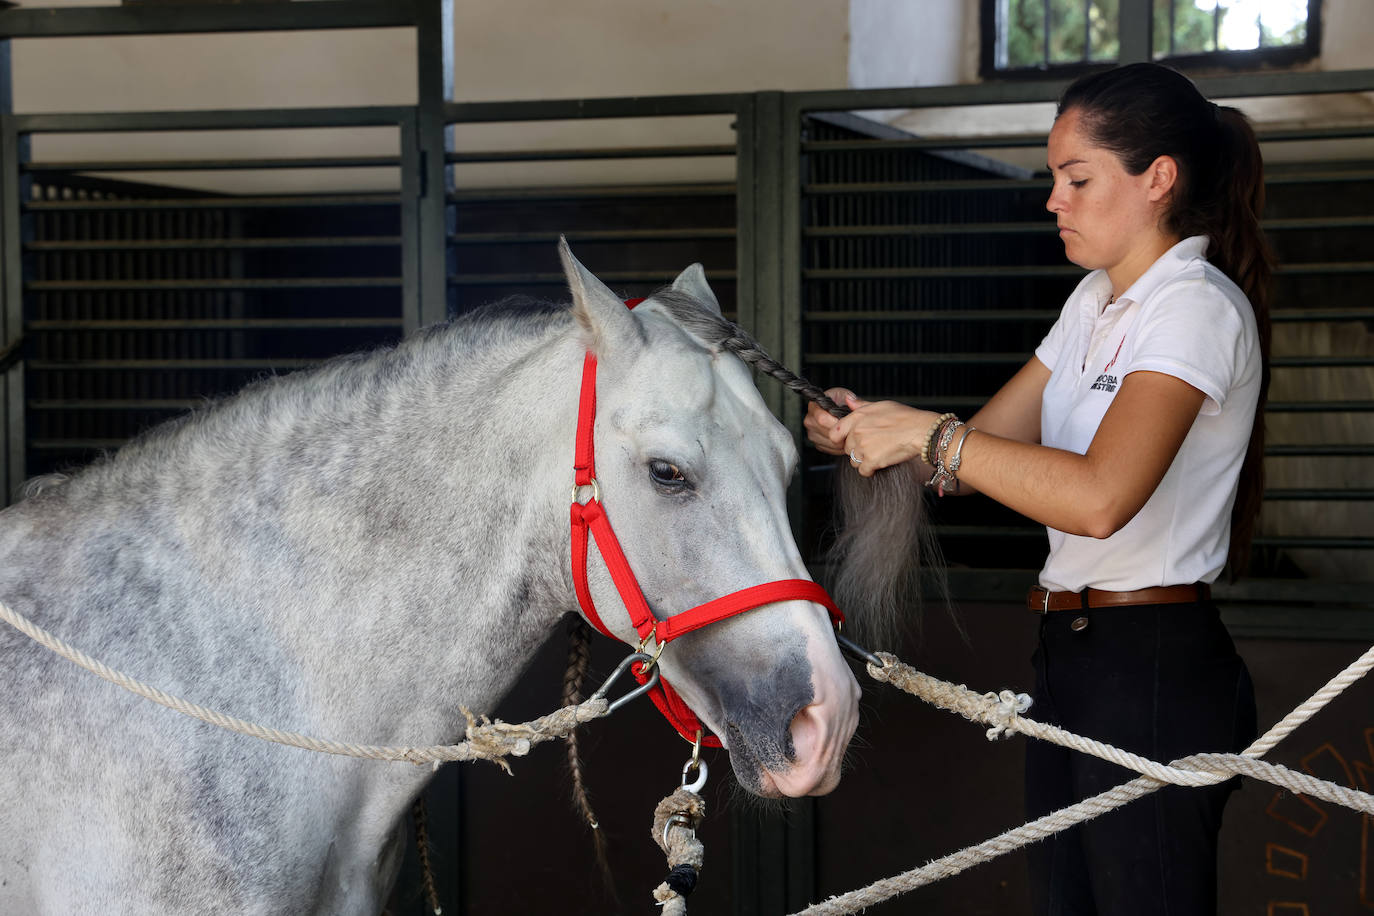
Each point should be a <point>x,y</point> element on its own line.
<point>1105,382</point>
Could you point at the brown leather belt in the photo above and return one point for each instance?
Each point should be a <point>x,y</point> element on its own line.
<point>1043,601</point>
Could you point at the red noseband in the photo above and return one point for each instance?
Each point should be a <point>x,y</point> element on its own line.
<point>590,516</point>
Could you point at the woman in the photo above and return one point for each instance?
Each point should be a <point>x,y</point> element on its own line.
<point>1132,435</point>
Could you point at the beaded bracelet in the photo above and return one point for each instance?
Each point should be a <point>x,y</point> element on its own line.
<point>942,474</point>
<point>929,442</point>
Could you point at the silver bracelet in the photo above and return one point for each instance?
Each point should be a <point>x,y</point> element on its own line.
<point>958,449</point>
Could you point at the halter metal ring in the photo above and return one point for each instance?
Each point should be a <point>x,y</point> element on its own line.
<point>652,662</point>
<point>615,675</point>
<point>701,775</point>
<point>577,489</point>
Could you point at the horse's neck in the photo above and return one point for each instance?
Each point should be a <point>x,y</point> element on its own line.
<point>400,551</point>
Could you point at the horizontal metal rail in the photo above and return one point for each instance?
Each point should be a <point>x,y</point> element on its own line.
<point>591,153</point>
<point>212,324</point>
<point>917,315</point>
<point>579,109</point>
<point>136,365</point>
<point>227,202</point>
<point>225,244</point>
<point>600,192</point>
<point>1321,450</point>
<point>1313,495</point>
<point>1047,227</point>
<point>905,315</point>
<point>556,279</point>
<point>84,286</point>
<point>117,404</point>
<point>593,235</point>
<point>941,273</point>
<point>156,20</point>
<point>212,165</point>
<point>216,119</point>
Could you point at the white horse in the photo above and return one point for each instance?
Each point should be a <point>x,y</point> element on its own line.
<point>358,552</point>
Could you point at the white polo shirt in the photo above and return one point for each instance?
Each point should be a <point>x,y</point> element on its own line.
<point>1185,318</point>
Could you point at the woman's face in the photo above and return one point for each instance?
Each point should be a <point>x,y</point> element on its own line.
<point>1108,218</point>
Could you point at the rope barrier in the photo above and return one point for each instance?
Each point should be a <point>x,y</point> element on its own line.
<point>1002,713</point>
<point>486,740</point>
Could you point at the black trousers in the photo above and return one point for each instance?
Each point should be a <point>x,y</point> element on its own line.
<point>1163,681</point>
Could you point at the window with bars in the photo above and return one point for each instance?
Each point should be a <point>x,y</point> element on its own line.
<point>1035,36</point>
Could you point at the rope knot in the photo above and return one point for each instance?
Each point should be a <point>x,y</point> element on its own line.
<point>1004,708</point>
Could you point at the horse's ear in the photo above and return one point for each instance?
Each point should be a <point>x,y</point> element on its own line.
<point>692,281</point>
<point>600,312</point>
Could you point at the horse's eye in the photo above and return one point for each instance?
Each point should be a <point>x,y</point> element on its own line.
<point>666,474</point>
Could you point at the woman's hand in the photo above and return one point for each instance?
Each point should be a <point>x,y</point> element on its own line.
<point>879,434</point>
<point>819,422</point>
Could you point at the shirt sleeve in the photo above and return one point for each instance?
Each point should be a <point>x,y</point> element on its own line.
<point>1194,331</point>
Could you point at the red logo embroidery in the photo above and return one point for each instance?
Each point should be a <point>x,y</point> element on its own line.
<point>1116,354</point>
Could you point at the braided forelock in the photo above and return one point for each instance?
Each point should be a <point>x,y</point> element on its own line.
<point>716,331</point>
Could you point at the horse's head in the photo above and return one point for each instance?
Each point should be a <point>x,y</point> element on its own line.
<point>693,473</point>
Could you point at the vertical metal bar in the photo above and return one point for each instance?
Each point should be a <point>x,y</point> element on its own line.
<point>12,463</point>
<point>746,216</point>
<point>1136,25</point>
<point>1173,25</point>
<point>412,315</point>
<point>434,63</point>
<point>1087,30</point>
<point>1046,34</point>
<point>1216,26</point>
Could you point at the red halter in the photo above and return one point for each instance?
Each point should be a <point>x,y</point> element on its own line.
<point>591,516</point>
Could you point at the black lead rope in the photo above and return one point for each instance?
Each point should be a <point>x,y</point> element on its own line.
<point>682,879</point>
<point>858,651</point>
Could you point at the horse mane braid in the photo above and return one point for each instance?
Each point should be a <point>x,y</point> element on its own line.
<point>884,543</point>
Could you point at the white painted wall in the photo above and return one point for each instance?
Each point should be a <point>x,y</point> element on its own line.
<point>529,49</point>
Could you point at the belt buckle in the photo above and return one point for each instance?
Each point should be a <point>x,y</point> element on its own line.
<point>1044,599</point>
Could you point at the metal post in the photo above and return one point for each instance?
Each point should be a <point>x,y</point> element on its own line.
<point>434,65</point>
<point>1137,28</point>
<point>12,470</point>
<point>773,857</point>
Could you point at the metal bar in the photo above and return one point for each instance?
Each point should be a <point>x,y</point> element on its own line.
<point>926,187</point>
<point>544,279</point>
<point>221,119</point>
<point>597,235</point>
<point>434,138</point>
<point>223,203</point>
<point>559,155</point>
<point>78,286</point>
<point>915,359</point>
<point>159,20</point>
<point>474,195</point>
<point>1001,92</point>
<point>926,143</point>
<point>726,103</point>
<point>935,315</point>
<point>213,324</point>
<point>927,273</point>
<point>227,244</point>
<point>214,165</point>
<point>1135,25</point>
<point>412,179</point>
<point>117,404</point>
<point>47,365</point>
<point>1319,362</point>
<point>1315,543</point>
<point>12,432</point>
<point>1319,406</point>
<point>1039,227</point>
<point>1354,495</point>
<point>1333,450</point>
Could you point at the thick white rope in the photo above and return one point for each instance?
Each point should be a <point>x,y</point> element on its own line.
<point>1002,713</point>
<point>486,740</point>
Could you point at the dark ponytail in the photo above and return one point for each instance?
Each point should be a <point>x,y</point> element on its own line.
<point>1143,111</point>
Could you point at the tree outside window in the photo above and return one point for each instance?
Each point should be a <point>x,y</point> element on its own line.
<point>1038,35</point>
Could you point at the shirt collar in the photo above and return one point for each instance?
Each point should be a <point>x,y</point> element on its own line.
<point>1168,264</point>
